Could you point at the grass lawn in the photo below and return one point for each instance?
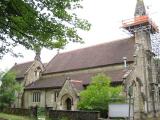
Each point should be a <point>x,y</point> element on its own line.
<point>13,117</point>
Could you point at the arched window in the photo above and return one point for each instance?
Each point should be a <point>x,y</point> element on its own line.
<point>37,72</point>
<point>36,97</point>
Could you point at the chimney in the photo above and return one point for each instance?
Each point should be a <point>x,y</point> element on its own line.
<point>125,62</point>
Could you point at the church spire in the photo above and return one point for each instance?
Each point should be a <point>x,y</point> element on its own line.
<point>140,8</point>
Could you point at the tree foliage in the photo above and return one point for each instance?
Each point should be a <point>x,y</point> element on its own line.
<point>99,94</point>
<point>8,89</point>
<point>39,23</point>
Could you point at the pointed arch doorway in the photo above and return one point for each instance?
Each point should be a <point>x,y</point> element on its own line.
<point>67,102</point>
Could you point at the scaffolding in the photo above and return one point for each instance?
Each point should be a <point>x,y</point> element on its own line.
<point>140,23</point>
<point>155,41</point>
<point>145,23</point>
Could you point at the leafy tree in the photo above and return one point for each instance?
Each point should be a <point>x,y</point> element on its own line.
<point>99,94</point>
<point>39,23</point>
<point>8,89</point>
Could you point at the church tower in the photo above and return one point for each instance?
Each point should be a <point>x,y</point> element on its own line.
<point>143,80</point>
<point>142,68</point>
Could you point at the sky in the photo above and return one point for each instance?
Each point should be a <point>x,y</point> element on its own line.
<point>104,15</point>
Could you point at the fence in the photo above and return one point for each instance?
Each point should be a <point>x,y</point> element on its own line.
<point>20,111</point>
<point>55,114</point>
<point>73,115</point>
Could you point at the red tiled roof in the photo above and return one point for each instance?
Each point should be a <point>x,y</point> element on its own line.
<point>77,84</point>
<point>58,81</point>
<point>94,56</point>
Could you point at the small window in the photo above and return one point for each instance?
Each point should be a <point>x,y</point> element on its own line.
<point>36,97</point>
<point>37,72</point>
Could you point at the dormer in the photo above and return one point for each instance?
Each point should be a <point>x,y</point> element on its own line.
<point>34,72</point>
<point>28,72</point>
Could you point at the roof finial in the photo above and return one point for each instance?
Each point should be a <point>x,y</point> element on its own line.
<point>58,51</point>
<point>140,8</point>
<point>68,78</point>
<point>38,53</point>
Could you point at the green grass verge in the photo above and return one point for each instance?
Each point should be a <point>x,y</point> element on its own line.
<point>13,117</point>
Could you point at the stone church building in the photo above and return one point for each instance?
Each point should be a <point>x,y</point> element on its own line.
<point>59,82</point>
<point>129,62</point>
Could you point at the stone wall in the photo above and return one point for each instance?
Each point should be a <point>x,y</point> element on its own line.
<point>46,98</point>
<point>30,73</point>
<point>29,77</point>
<point>67,92</point>
<point>91,70</point>
<point>73,115</point>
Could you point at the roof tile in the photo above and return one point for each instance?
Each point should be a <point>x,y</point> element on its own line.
<point>58,81</point>
<point>20,69</point>
<point>94,56</point>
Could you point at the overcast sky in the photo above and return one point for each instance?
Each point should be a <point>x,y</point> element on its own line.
<point>105,17</point>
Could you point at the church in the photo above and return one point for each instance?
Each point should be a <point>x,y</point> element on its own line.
<point>128,62</point>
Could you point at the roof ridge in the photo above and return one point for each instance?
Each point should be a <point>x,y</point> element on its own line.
<point>82,57</point>
<point>17,64</point>
<point>109,42</point>
<point>24,62</point>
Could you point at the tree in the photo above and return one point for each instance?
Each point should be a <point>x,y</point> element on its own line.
<point>99,94</point>
<point>8,89</point>
<point>39,23</point>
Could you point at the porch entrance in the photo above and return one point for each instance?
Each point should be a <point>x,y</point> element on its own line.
<point>68,103</point>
